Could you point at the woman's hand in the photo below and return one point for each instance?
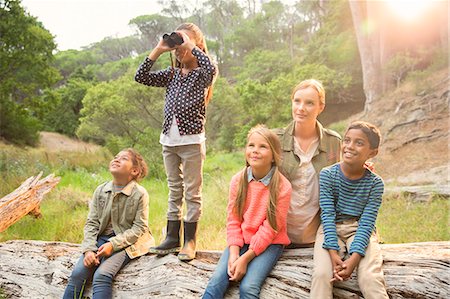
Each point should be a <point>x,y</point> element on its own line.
<point>90,260</point>
<point>105,250</point>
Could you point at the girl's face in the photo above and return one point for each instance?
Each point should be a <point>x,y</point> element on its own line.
<point>258,153</point>
<point>182,54</point>
<point>306,105</point>
<point>122,166</point>
<point>356,148</point>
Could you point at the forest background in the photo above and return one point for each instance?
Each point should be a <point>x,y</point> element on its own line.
<point>366,55</point>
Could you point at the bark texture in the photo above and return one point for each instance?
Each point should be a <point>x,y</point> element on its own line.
<point>36,269</point>
<point>25,199</point>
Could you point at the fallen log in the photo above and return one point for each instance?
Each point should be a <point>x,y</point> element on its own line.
<point>25,199</point>
<point>36,269</point>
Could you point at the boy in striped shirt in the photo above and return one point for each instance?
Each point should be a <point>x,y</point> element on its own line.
<point>350,196</point>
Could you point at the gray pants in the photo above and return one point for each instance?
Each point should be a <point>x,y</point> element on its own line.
<point>184,169</point>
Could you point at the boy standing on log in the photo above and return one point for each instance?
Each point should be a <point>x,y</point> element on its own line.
<point>350,197</point>
<point>116,229</point>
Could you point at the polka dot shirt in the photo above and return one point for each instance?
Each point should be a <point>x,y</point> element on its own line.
<point>185,94</point>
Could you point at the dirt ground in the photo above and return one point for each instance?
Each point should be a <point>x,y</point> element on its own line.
<point>54,142</point>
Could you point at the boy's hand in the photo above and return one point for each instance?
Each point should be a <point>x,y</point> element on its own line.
<point>105,250</point>
<point>90,260</point>
<point>337,264</point>
<point>349,266</point>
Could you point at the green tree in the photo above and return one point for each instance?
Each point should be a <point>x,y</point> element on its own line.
<point>25,69</point>
<point>63,116</point>
<point>123,113</point>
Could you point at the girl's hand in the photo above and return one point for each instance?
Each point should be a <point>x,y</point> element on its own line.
<point>240,268</point>
<point>160,48</point>
<point>105,250</point>
<point>187,42</point>
<point>240,265</point>
<point>163,47</point>
<point>234,255</point>
<point>90,259</point>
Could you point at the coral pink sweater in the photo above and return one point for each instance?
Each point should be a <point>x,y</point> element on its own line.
<point>255,229</point>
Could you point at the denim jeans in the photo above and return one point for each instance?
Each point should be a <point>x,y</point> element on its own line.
<point>102,275</point>
<point>257,271</point>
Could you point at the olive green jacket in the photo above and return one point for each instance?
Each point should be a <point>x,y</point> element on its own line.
<point>327,153</point>
<point>128,211</point>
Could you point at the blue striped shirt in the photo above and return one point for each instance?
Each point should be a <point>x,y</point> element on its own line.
<point>342,198</point>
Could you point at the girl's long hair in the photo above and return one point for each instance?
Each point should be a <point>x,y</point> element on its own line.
<point>200,42</point>
<point>241,197</point>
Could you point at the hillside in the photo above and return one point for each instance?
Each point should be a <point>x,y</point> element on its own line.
<point>415,129</point>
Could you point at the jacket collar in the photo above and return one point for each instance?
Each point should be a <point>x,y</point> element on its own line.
<point>288,139</point>
<point>127,190</point>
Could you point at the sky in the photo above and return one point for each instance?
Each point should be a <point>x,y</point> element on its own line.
<point>78,23</point>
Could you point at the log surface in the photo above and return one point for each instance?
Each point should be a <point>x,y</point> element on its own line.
<point>37,269</point>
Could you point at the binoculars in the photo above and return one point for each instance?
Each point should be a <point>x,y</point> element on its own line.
<point>173,39</point>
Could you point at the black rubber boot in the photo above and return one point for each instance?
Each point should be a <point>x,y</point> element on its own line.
<point>187,253</point>
<point>172,242</point>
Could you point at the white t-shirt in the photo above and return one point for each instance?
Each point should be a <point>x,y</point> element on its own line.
<point>175,139</point>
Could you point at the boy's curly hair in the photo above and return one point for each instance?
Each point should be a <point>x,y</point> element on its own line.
<point>139,163</point>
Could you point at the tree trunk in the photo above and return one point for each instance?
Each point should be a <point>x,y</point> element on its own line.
<point>25,199</point>
<point>36,269</point>
<point>365,14</point>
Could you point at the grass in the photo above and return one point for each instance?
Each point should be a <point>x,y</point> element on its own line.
<point>65,209</point>
<point>403,221</point>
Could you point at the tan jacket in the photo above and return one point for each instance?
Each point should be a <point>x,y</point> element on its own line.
<point>128,212</point>
<point>328,152</point>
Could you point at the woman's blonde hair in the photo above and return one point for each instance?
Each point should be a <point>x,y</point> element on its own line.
<point>200,42</point>
<point>241,197</point>
<point>317,85</point>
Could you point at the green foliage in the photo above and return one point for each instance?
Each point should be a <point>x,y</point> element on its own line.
<point>270,103</point>
<point>224,115</point>
<point>25,59</point>
<point>400,65</point>
<point>263,65</point>
<point>64,113</point>
<point>339,127</point>
<point>17,124</point>
<point>123,113</point>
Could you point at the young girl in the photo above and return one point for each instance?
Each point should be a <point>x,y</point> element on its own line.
<point>189,89</point>
<point>116,229</point>
<point>256,223</point>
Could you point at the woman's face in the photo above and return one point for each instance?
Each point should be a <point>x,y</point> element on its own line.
<point>306,106</point>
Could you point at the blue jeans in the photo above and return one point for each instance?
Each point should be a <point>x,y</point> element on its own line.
<point>102,275</point>
<point>257,271</point>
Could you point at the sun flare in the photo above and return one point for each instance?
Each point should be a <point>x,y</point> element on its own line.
<point>408,9</point>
